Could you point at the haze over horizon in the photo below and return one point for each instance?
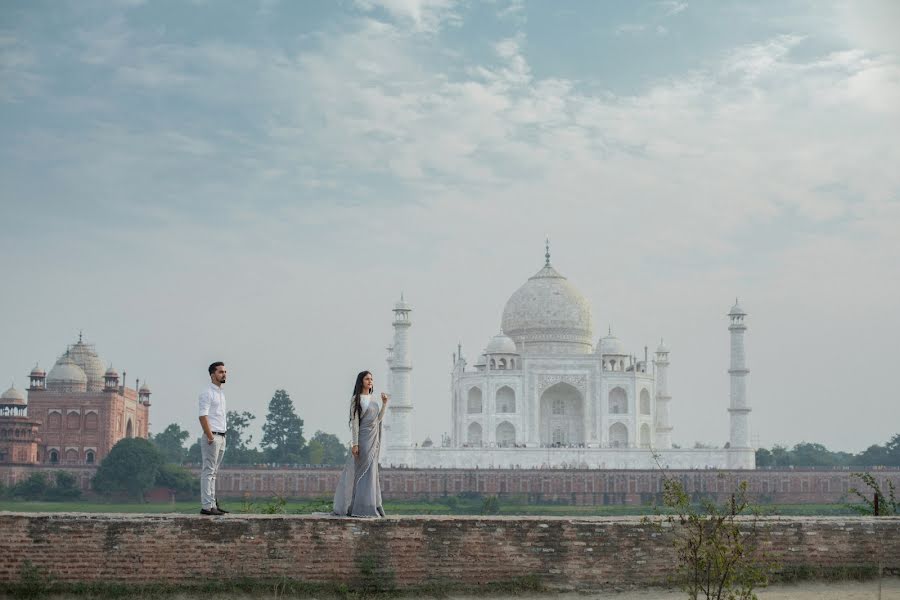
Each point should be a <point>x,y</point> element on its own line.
<point>257,182</point>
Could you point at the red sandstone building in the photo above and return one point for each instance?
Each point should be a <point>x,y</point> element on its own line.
<point>73,415</point>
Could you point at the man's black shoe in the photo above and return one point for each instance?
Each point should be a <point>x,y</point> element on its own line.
<point>211,511</point>
<point>221,510</point>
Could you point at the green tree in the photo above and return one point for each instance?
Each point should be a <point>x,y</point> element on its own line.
<point>283,431</point>
<point>178,480</point>
<point>131,467</point>
<point>806,454</point>
<point>874,455</point>
<point>194,454</point>
<point>170,442</point>
<point>326,449</point>
<point>65,487</point>
<point>32,488</point>
<point>764,458</point>
<point>238,441</point>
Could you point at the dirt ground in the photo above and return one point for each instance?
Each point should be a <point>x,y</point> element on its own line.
<point>855,590</point>
<point>866,590</point>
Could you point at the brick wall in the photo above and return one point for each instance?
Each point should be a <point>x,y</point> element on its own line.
<point>568,486</point>
<point>401,552</point>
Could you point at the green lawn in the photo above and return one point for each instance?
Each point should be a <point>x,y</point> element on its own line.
<point>455,506</point>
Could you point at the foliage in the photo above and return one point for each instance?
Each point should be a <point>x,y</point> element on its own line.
<point>179,480</point>
<point>326,449</point>
<point>274,506</point>
<point>238,441</point>
<point>806,454</point>
<point>715,559</point>
<point>282,439</point>
<point>886,505</point>
<point>490,506</point>
<point>33,488</point>
<point>195,454</point>
<point>170,442</point>
<point>33,582</point>
<point>65,487</point>
<point>38,486</point>
<point>131,467</point>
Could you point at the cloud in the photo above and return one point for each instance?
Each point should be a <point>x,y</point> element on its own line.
<point>422,15</point>
<point>373,154</point>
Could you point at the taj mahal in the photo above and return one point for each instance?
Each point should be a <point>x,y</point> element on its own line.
<point>542,394</point>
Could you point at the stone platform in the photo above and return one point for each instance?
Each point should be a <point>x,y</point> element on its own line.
<point>403,552</point>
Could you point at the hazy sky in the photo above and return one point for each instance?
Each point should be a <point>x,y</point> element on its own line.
<point>257,182</point>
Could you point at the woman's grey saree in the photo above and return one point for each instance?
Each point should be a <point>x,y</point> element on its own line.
<point>358,492</point>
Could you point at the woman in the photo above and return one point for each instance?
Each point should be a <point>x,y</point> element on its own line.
<point>358,492</point>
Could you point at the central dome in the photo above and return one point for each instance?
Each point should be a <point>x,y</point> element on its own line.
<point>548,315</point>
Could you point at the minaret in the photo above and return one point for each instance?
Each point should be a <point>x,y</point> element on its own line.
<point>739,410</point>
<point>400,406</point>
<point>663,428</point>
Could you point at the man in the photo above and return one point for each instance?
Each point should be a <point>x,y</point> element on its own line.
<point>212,445</point>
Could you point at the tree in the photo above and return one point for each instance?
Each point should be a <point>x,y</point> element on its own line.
<point>131,467</point>
<point>283,431</point>
<point>65,487</point>
<point>326,449</point>
<point>238,449</point>
<point>806,454</point>
<point>178,480</point>
<point>170,442</point>
<point>32,488</point>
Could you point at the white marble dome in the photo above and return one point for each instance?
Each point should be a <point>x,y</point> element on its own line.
<point>86,357</point>
<point>66,374</point>
<point>13,396</point>
<point>501,344</point>
<point>611,345</point>
<point>548,315</point>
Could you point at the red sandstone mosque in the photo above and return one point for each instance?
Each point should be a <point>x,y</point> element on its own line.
<point>74,414</point>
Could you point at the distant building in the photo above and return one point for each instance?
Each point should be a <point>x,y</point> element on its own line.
<point>73,415</point>
<point>541,394</point>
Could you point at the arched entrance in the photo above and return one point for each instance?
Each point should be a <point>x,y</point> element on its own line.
<point>506,435</point>
<point>562,416</point>
<point>474,435</point>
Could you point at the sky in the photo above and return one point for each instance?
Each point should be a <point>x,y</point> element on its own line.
<point>257,182</point>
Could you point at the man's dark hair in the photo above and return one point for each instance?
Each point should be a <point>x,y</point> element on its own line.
<point>215,365</point>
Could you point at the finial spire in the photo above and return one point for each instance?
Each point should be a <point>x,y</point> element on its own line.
<point>80,335</point>
<point>610,330</point>
<point>547,253</point>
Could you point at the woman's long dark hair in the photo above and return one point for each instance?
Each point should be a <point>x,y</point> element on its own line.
<point>357,392</point>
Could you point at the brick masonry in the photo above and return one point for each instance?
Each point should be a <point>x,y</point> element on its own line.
<point>403,552</point>
<point>566,486</point>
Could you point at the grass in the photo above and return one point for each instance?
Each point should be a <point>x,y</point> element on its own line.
<point>452,506</point>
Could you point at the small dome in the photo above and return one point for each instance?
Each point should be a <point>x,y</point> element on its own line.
<point>145,389</point>
<point>737,309</point>
<point>111,372</point>
<point>501,344</point>
<point>482,361</point>
<point>13,396</point>
<point>662,347</point>
<point>612,345</point>
<point>38,372</point>
<point>66,372</point>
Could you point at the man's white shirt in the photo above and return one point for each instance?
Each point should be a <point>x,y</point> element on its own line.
<point>212,406</point>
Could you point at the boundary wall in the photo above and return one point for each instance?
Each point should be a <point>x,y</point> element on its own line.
<point>564,486</point>
<point>408,552</point>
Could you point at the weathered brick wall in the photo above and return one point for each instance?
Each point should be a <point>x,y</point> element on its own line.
<point>401,552</point>
<point>569,486</point>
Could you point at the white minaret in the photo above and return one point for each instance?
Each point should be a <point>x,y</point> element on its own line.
<point>400,407</point>
<point>663,428</point>
<point>739,410</point>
